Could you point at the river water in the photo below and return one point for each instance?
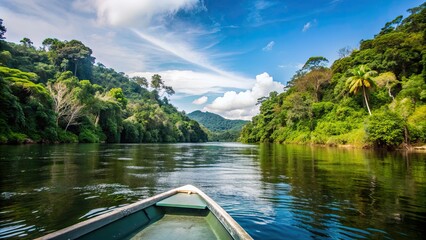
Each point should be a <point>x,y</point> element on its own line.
<point>273,191</point>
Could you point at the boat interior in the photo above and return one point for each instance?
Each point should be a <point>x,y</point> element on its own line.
<point>181,216</point>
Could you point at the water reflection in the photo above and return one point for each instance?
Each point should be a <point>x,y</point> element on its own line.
<point>347,193</point>
<point>274,191</point>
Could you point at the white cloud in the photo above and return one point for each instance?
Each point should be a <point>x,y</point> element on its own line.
<point>269,46</point>
<point>201,100</point>
<point>104,25</point>
<point>184,51</point>
<point>163,39</point>
<point>20,24</point>
<point>242,105</point>
<point>188,82</point>
<point>110,46</point>
<point>131,13</point>
<point>309,25</point>
<point>163,36</point>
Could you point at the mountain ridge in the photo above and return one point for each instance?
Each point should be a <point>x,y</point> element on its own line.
<point>215,122</point>
<point>218,128</point>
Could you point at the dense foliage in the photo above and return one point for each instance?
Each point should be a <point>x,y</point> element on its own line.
<point>57,94</point>
<point>385,77</point>
<point>219,129</point>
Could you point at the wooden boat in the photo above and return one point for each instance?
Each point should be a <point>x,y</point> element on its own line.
<point>181,213</point>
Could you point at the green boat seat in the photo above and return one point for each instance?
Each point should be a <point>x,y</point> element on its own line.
<point>183,200</point>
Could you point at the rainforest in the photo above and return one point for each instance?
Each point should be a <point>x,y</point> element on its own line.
<point>374,96</point>
<point>57,94</point>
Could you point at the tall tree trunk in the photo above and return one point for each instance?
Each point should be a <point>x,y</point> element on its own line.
<point>97,119</point>
<point>75,68</point>
<point>366,100</point>
<point>406,138</point>
<point>390,94</point>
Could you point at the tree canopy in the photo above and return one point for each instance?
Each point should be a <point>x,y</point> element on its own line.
<point>57,94</point>
<point>2,29</point>
<point>320,104</point>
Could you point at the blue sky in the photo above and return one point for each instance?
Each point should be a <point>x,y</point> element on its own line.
<point>219,56</point>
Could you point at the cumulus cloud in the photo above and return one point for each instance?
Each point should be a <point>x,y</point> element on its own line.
<point>269,46</point>
<point>201,100</point>
<point>188,82</point>
<point>242,105</point>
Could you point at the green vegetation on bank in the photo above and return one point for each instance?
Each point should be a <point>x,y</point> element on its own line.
<point>57,94</point>
<point>374,96</point>
<point>219,129</point>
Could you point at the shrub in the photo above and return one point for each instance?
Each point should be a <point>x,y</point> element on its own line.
<point>417,124</point>
<point>50,134</point>
<point>16,138</point>
<point>130,133</point>
<point>385,129</point>
<point>321,108</point>
<point>66,137</point>
<point>87,136</point>
<point>3,139</point>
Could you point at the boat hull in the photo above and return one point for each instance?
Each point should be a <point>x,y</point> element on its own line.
<point>181,213</point>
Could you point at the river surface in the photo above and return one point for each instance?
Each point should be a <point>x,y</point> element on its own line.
<point>273,191</point>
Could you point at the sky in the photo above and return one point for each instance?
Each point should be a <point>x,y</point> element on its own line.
<point>218,55</point>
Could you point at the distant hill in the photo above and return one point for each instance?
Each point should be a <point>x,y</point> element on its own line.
<point>220,129</point>
<point>215,122</point>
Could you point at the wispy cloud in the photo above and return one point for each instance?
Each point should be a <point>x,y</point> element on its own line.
<point>306,26</point>
<point>262,4</point>
<point>255,16</point>
<point>187,82</point>
<point>137,13</point>
<point>167,38</point>
<point>149,35</point>
<point>269,46</point>
<point>309,25</point>
<point>187,53</point>
<point>335,1</point>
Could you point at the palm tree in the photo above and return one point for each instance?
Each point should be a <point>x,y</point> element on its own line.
<point>362,79</point>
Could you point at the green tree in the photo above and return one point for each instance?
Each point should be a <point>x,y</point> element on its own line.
<point>417,124</point>
<point>391,26</point>
<point>362,78</point>
<point>387,80</point>
<point>2,29</point>
<point>158,84</point>
<point>117,94</point>
<point>73,52</point>
<point>26,113</point>
<point>141,81</point>
<point>27,42</point>
<point>313,81</point>
<point>385,129</point>
<point>313,63</point>
<point>404,108</point>
<point>414,88</point>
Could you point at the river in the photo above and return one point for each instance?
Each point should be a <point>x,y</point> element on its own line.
<point>273,191</point>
